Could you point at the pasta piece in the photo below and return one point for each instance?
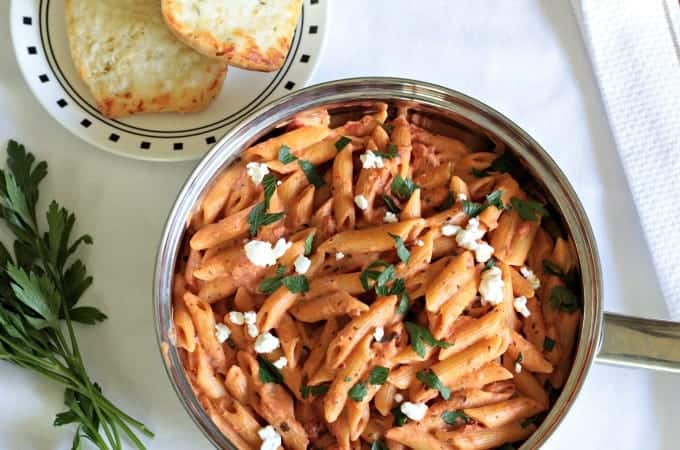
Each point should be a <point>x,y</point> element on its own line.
<point>375,239</point>
<point>218,289</point>
<point>318,351</point>
<point>473,331</point>
<point>449,281</point>
<point>526,383</point>
<point>484,438</point>
<point>206,379</point>
<point>347,376</point>
<point>297,139</point>
<point>343,197</point>
<point>226,184</point>
<point>413,207</point>
<point>503,413</point>
<point>335,304</point>
<point>378,315</point>
<point>532,358</point>
<point>300,211</point>
<point>204,323</point>
<point>213,234</point>
<point>224,426</point>
<point>417,439</point>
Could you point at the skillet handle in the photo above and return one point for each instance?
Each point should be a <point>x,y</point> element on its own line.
<point>634,342</point>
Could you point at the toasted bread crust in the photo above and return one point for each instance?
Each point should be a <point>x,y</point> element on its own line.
<point>133,64</point>
<point>241,46</point>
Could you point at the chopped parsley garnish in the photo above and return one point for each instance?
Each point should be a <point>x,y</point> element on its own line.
<point>404,303</point>
<point>268,372</point>
<point>285,156</point>
<point>490,263</point>
<point>402,252</point>
<point>258,216</point>
<point>399,417</point>
<point>269,285</point>
<point>548,344</point>
<point>296,283</point>
<point>317,390</point>
<point>419,336</point>
<point>504,163</point>
<point>371,272</point>
<point>378,375</point>
<point>342,143</point>
<point>564,299</point>
<point>309,243</point>
<point>455,417</point>
<point>519,358</point>
<point>402,187</point>
<point>358,392</point>
<point>431,380</point>
<point>528,210</point>
<point>392,152</point>
<point>378,445</point>
<point>310,171</point>
<point>473,209</point>
<point>388,127</point>
<point>389,203</point>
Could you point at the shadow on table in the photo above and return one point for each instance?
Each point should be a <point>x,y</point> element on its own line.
<point>611,171</point>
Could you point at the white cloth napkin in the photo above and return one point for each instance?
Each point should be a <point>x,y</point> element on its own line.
<point>633,45</point>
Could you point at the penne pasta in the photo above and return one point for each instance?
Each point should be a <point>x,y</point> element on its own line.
<point>362,278</point>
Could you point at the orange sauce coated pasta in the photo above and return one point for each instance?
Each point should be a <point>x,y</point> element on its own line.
<point>375,281</point>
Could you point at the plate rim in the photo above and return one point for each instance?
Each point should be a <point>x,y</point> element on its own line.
<point>169,155</point>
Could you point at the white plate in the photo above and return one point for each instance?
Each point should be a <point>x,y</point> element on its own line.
<point>41,46</point>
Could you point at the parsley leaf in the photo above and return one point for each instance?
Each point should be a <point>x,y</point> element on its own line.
<point>342,143</point>
<point>402,187</point>
<point>317,390</point>
<point>490,263</point>
<point>402,252</point>
<point>309,243</point>
<point>370,273</point>
<point>268,371</point>
<point>548,344</point>
<point>358,392</point>
<point>285,156</point>
<point>378,375</point>
<point>399,417</point>
<point>404,302</point>
<point>269,187</point>
<point>389,203</point>
<point>310,171</point>
<point>419,336</point>
<point>473,209</point>
<point>447,203</point>
<point>296,283</point>
<point>495,199</point>
<point>553,269</point>
<point>431,380</point>
<point>258,217</point>
<point>389,128</point>
<point>519,358</point>
<point>269,285</point>
<point>392,152</point>
<point>378,445</point>
<point>564,299</point>
<point>528,210</point>
<point>504,163</point>
<point>455,417</point>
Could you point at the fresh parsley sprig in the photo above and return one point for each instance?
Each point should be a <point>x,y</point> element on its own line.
<point>258,216</point>
<point>39,290</point>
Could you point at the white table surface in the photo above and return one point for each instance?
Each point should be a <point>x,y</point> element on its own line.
<point>526,58</point>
